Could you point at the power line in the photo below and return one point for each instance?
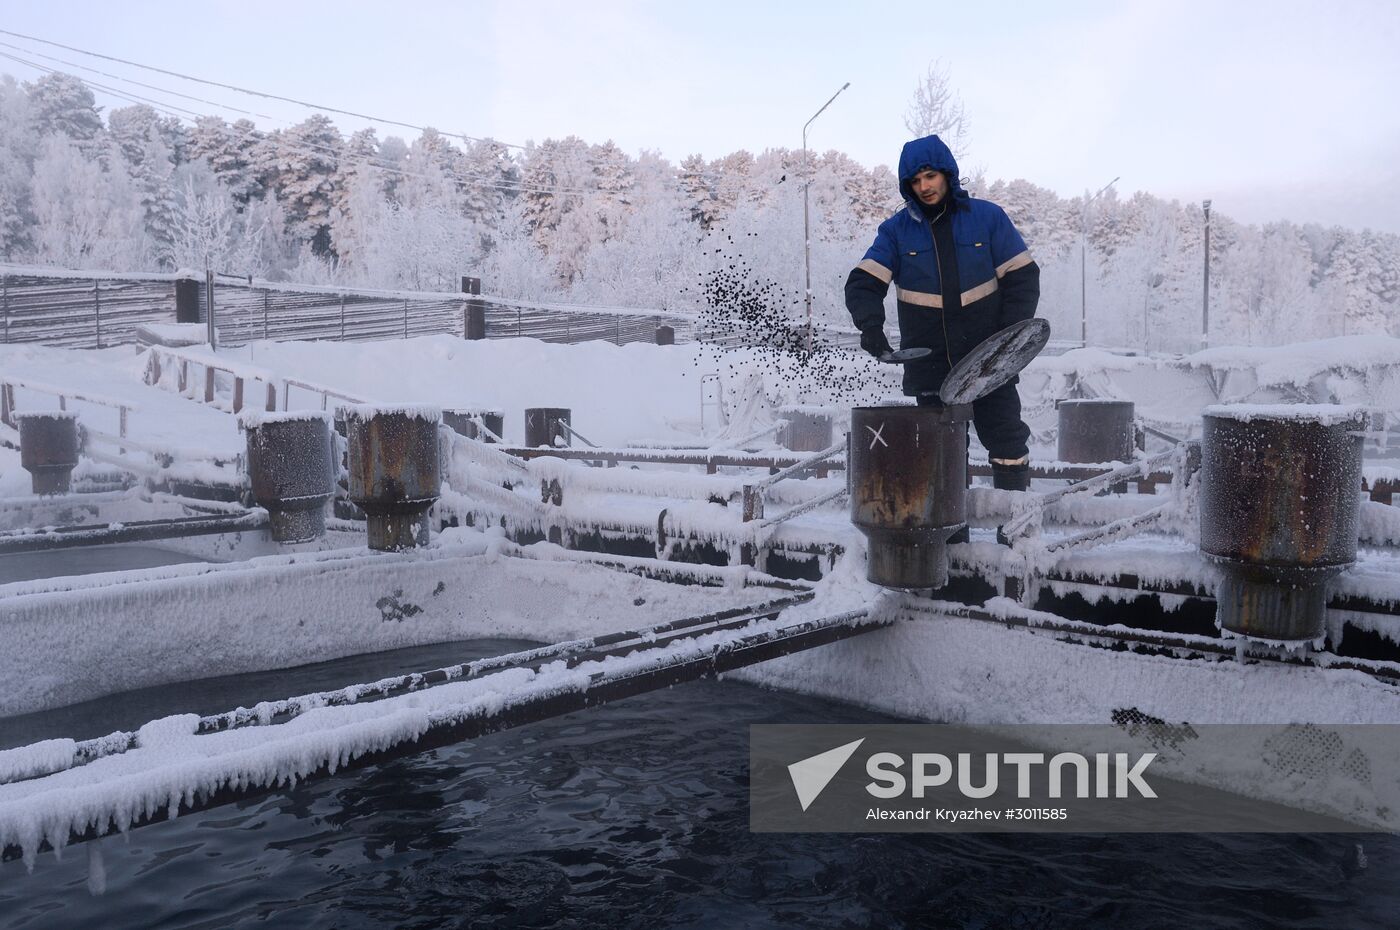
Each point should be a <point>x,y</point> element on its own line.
<point>392,122</point>
<point>306,147</point>
<point>174,93</point>
<point>244,90</point>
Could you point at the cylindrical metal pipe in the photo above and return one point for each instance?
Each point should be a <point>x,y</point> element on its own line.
<point>1280,497</point>
<point>290,470</point>
<point>48,449</point>
<point>474,310</point>
<point>187,300</point>
<point>542,426</point>
<point>462,421</point>
<point>665,335</point>
<point>807,429</point>
<point>908,481</point>
<point>395,475</point>
<point>1094,430</point>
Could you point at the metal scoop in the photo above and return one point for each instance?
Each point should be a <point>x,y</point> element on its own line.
<point>905,355</point>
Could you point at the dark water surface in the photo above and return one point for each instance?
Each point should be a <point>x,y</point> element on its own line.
<point>88,560</point>
<point>636,815</point>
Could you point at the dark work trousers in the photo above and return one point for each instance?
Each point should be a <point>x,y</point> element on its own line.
<point>997,419</point>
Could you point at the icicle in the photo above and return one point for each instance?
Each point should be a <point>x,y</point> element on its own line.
<point>97,869</point>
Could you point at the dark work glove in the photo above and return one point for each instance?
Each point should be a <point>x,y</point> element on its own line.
<point>873,341</point>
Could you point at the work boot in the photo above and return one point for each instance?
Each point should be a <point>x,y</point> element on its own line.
<point>1010,475</point>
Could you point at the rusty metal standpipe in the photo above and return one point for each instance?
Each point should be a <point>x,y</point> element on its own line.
<point>48,449</point>
<point>908,481</point>
<point>395,472</point>
<point>1280,497</point>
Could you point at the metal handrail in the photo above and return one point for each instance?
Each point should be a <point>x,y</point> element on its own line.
<point>7,401</point>
<point>577,435</point>
<point>326,393</point>
<point>810,462</point>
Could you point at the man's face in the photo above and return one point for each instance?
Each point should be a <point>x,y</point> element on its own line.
<point>930,186</point>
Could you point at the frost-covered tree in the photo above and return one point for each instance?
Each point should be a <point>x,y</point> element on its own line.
<point>229,151</point>
<point>516,266</point>
<point>358,170</point>
<point>730,180</point>
<point>696,191</point>
<point>613,180</point>
<point>936,109</point>
<point>559,183</point>
<point>490,181</point>
<point>145,143</point>
<point>419,240</point>
<point>210,228</point>
<point>306,157</point>
<point>63,105</point>
<point>393,157</point>
<point>1043,219</point>
<point>655,255</point>
<point>133,128</point>
<point>85,216</point>
<point>19,145</point>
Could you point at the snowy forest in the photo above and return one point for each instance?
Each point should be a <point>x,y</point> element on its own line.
<point>136,189</point>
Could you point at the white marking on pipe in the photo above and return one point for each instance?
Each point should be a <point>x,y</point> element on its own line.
<point>878,438</point>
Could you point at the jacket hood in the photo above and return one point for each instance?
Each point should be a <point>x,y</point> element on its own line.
<point>930,151</point>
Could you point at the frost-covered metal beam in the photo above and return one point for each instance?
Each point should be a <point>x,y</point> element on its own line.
<point>66,537</point>
<point>35,821</point>
<point>572,652</point>
<point>668,457</point>
<point>1007,613</point>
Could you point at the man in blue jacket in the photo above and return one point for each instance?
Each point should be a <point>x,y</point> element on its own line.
<point>961,272</point>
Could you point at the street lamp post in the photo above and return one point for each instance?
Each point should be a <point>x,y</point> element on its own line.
<point>806,227</point>
<point>1083,274</point>
<point>1205,292</point>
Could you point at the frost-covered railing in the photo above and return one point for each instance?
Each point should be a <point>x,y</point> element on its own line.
<point>754,493</point>
<point>490,483</point>
<point>7,401</point>
<point>326,393</point>
<point>161,361</point>
<point>159,462</point>
<point>713,460</point>
<point>1027,511</point>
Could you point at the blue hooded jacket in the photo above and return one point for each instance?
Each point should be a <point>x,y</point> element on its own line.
<point>996,281</point>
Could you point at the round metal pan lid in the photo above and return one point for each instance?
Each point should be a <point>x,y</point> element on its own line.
<point>995,361</point>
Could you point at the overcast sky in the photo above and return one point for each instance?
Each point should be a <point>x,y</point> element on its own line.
<point>1272,109</point>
